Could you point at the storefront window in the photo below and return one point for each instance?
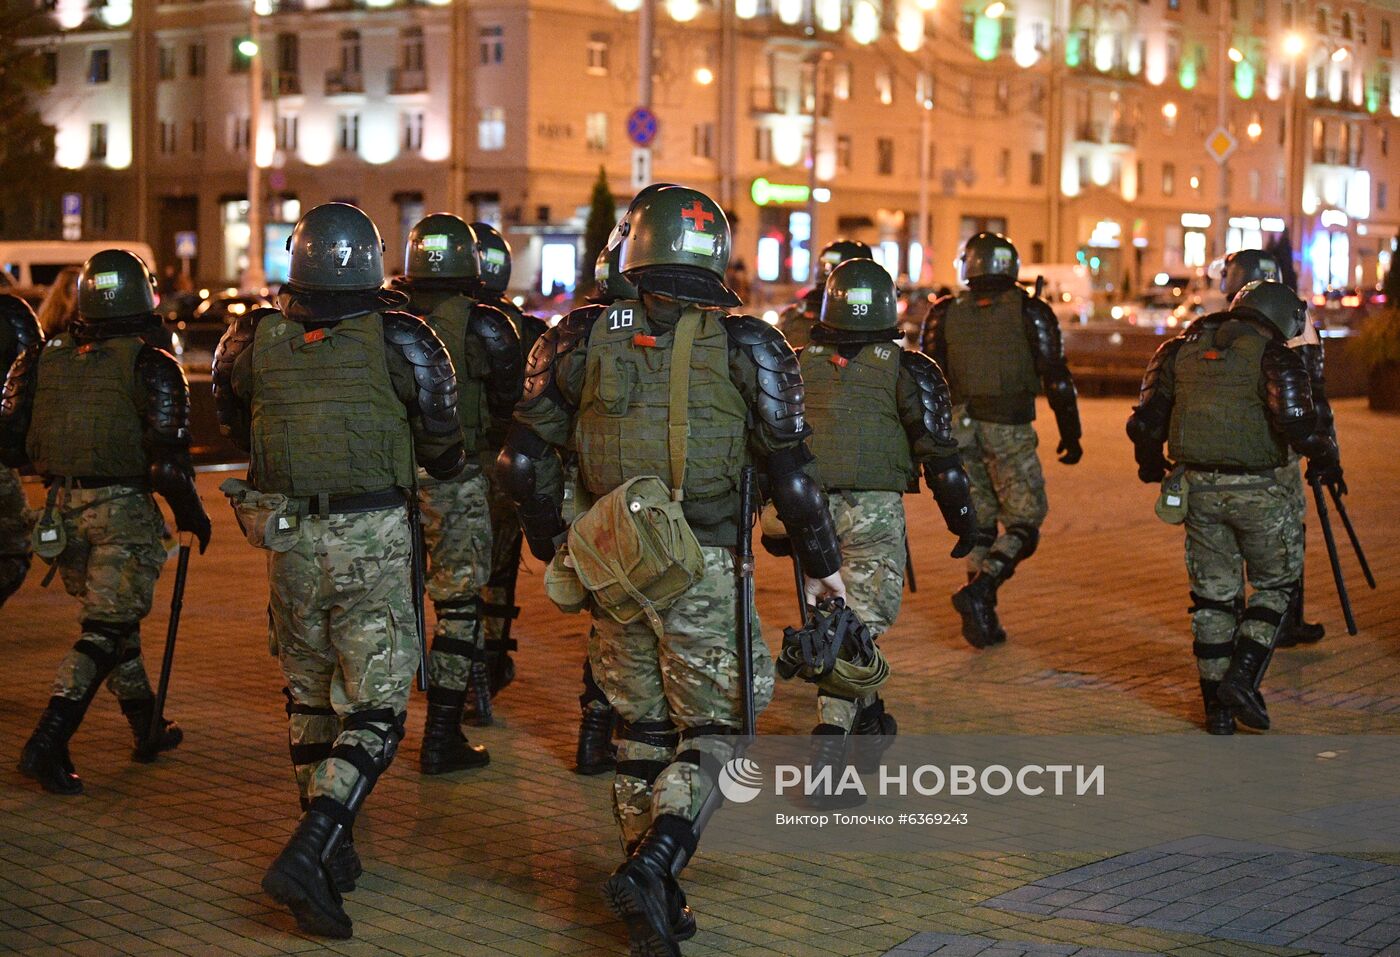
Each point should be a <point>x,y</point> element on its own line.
<point>558,267</point>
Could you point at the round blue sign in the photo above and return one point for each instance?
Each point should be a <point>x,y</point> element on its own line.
<point>641,126</point>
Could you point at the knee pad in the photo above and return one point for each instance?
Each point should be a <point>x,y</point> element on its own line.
<point>656,734</point>
<point>984,537</point>
<point>1234,607</point>
<point>1030,540</point>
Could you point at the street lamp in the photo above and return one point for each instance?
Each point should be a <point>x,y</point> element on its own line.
<point>995,11</point>
<point>1294,44</point>
<point>253,276</point>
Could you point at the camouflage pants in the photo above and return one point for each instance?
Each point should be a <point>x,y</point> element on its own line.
<point>112,560</point>
<point>686,679</point>
<point>457,530</point>
<point>1238,527</point>
<point>1008,490</point>
<point>870,528</point>
<point>16,522</point>
<point>343,622</point>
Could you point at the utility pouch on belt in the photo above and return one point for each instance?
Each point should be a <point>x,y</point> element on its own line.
<point>269,520</point>
<point>633,551</point>
<point>1171,503</point>
<point>49,538</point>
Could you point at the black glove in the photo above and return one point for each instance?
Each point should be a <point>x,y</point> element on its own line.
<point>1069,451</point>
<point>542,524</point>
<point>196,525</point>
<point>1326,472</point>
<point>1152,473</point>
<point>778,545</point>
<point>964,543</point>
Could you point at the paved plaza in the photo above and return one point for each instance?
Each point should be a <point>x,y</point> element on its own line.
<point>166,858</point>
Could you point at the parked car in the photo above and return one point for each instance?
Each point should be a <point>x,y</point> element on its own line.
<point>33,265</point>
<point>198,324</point>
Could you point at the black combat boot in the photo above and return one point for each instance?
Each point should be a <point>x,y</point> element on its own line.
<point>644,892</point>
<point>300,879</point>
<point>874,732</point>
<point>138,714</point>
<point>596,752</point>
<point>977,603</point>
<point>1239,689</point>
<point>831,746</point>
<point>444,747</point>
<point>45,755</point>
<point>343,864</point>
<point>1219,718</point>
<point>477,710</point>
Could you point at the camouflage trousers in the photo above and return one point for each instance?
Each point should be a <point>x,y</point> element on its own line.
<point>16,523</point>
<point>685,681</point>
<point>457,531</point>
<point>1008,490</point>
<point>1239,527</point>
<point>870,528</point>
<point>112,560</point>
<point>343,624</point>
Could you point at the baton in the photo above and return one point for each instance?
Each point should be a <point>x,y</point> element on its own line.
<point>1326,523</point>
<point>909,568</point>
<point>1351,534</point>
<point>418,576</point>
<point>743,608</point>
<point>800,584</point>
<point>149,747</point>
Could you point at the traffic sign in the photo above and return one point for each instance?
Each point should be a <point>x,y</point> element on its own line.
<point>1221,145</point>
<point>72,216</point>
<point>72,204</point>
<point>186,244</point>
<point>641,126</point>
<point>641,167</point>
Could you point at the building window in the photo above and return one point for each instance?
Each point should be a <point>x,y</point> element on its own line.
<point>1256,185</point>
<point>237,62</point>
<point>595,131</point>
<point>287,126</point>
<point>884,87</point>
<point>493,45</point>
<point>49,62</point>
<point>1382,195</point>
<point>99,65</point>
<point>348,132</point>
<point>169,137</point>
<point>491,129</point>
<point>702,141</point>
<point>884,155</point>
<point>923,90</point>
<point>413,131</point>
<point>97,141</point>
<point>238,132</point>
<point>1037,98</point>
<point>1037,169</point>
<point>97,212</point>
<point>843,152</point>
<point>1003,96</point>
<point>1004,166</point>
<point>841,81</point>
<point>763,144</point>
<point>167,62</point>
<point>350,59</point>
<point>197,136</point>
<point>195,58</point>
<point>288,54</point>
<point>598,54</point>
<point>1168,179</point>
<point>411,55</point>
<point>1385,35</point>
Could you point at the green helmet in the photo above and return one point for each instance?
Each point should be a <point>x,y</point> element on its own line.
<point>442,246</point>
<point>675,242</point>
<point>988,256</point>
<point>495,258</point>
<point>1275,302</point>
<point>115,284</point>
<point>1241,268</point>
<point>859,298</point>
<point>335,248</point>
<point>612,284</point>
<point>835,253</point>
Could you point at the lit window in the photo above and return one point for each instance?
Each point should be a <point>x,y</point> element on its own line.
<point>491,129</point>
<point>413,121</point>
<point>595,127</point>
<point>558,267</point>
<point>841,81</point>
<point>884,87</point>
<point>1193,251</point>
<point>349,132</point>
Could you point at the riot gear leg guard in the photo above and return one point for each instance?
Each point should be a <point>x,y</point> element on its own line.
<point>596,753</point>
<point>1297,630</point>
<point>138,713</point>
<point>1239,689</point>
<point>876,729</point>
<point>444,747</point>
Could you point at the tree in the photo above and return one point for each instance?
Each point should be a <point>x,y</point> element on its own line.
<point>1391,286</point>
<point>26,141</point>
<point>1281,248</point>
<point>602,217</point>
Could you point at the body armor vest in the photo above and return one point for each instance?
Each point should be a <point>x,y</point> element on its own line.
<point>988,354</point>
<point>450,319</point>
<point>852,406</point>
<point>326,419</point>
<point>621,429</point>
<point>86,422</point>
<point>1219,417</point>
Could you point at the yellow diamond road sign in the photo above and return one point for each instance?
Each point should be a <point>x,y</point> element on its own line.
<point>1221,144</point>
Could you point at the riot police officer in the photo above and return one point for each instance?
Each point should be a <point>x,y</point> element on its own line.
<point>336,396</point>
<point>104,418</point>
<point>442,276</point>
<point>498,597</point>
<point>1237,270</point>
<point>797,319</point>
<point>855,371</point>
<point>1230,403</point>
<point>601,385</point>
<point>19,336</point>
<point>999,347</point>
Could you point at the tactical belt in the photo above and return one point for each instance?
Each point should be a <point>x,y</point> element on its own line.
<point>98,481</point>
<point>1230,469</point>
<point>323,505</point>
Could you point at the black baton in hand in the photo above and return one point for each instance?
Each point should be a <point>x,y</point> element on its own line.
<point>1351,534</point>
<point>1326,523</point>
<point>743,607</point>
<point>150,745</point>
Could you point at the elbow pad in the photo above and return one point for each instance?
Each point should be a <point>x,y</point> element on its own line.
<point>1064,402</point>
<point>502,344</point>
<point>1288,394</point>
<point>803,511</point>
<point>448,465</point>
<point>436,381</point>
<point>952,490</point>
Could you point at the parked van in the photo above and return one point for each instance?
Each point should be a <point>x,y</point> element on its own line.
<point>33,264</point>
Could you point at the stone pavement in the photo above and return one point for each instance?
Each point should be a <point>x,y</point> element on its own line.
<point>165,859</point>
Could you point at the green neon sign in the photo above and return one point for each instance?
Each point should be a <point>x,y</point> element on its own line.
<point>986,37</point>
<point>763,192</point>
<point>1244,80</point>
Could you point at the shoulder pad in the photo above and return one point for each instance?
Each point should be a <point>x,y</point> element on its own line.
<point>25,328</point>
<point>433,375</point>
<point>236,338</point>
<point>167,392</point>
<point>1038,310</point>
<point>413,338</point>
<point>493,327</point>
<point>782,397</point>
<point>571,332</point>
<point>932,391</point>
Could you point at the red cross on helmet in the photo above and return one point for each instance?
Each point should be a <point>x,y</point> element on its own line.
<point>676,243</point>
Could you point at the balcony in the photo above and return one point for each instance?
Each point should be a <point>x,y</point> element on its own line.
<point>771,100</point>
<point>407,81</point>
<point>1106,134</point>
<point>1332,156</point>
<point>341,82</point>
<point>282,84</point>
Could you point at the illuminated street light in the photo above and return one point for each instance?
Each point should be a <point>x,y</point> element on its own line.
<point>1339,55</point>
<point>927,4</point>
<point>1294,44</point>
<point>683,11</point>
<point>1236,55</point>
<point>995,11</point>
<point>704,76</point>
<point>248,47</point>
<point>1255,129</point>
<point>628,6</point>
<point>1169,111</point>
